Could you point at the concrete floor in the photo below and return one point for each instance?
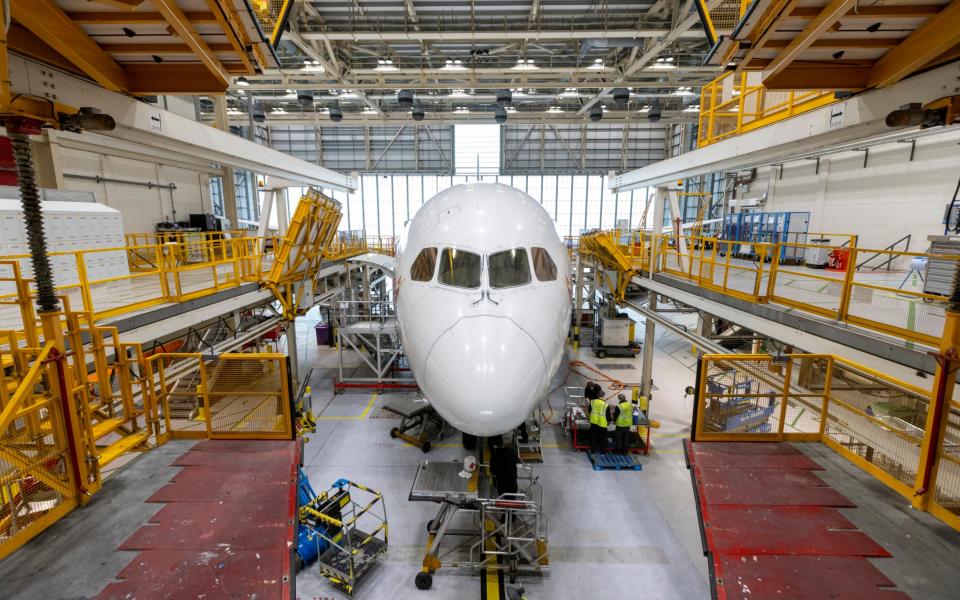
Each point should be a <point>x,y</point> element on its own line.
<point>612,534</point>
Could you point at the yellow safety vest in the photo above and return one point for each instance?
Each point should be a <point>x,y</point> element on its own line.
<point>625,418</point>
<point>598,412</point>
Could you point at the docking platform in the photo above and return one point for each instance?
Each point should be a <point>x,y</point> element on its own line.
<point>771,527</point>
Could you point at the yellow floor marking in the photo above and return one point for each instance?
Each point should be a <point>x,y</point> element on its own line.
<point>359,417</point>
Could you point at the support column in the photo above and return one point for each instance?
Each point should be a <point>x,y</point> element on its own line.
<point>220,120</point>
<point>646,378</point>
<point>938,413</point>
<point>229,188</point>
<point>291,332</point>
<point>704,327</point>
<point>46,162</point>
<point>577,302</point>
<point>265,214</point>
<point>283,210</point>
<point>658,199</point>
<point>365,290</point>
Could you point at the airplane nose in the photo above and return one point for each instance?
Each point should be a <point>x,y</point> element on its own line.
<point>484,375</point>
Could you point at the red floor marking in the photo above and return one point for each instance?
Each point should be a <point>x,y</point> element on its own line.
<point>799,530</point>
<point>766,487</point>
<point>210,575</point>
<point>793,460</point>
<point>770,530</point>
<point>802,578</point>
<point>746,449</point>
<point>182,525</point>
<point>205,484</point>
<point>227,529</point>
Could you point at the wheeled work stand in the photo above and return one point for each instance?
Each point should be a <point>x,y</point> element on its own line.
<point>504,533</point>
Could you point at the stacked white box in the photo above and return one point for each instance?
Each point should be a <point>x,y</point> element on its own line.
<point>69,226</point>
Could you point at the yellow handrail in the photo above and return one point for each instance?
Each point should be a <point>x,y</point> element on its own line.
<point>761,273</point>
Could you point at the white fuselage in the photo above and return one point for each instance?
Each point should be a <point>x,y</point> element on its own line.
<point>483,303</point>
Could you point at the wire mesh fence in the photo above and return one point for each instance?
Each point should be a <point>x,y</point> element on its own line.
<point>876,421</point>
<point>36,477</point>
<point>247,397</point>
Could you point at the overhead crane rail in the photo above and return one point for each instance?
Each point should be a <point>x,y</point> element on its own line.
<point>878,301</point>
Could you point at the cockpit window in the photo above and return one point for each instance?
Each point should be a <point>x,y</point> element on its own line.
<point>509,268</point>
<point>459,268</point>
<point>543,265</point>
<point>423,267</point>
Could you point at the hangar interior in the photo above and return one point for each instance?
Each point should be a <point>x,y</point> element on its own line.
<point>517,300</point>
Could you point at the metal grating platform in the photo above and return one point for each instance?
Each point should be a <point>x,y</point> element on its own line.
<point>771,529</point>
<point>226,530</point>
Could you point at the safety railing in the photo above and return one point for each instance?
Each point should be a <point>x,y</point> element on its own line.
<point>733,268</point>
<point>733,104</point>
<point>876,421</point>
<point>38,471</point>
<point>104,282</point>
<point>244,395</point>
<point>818,279</point>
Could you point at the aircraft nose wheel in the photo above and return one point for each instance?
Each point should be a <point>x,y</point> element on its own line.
<point>423,580</point>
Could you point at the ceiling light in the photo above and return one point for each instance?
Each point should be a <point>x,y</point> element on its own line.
<point>453,66</point>
<point>457,62</point>
<point>597,64</point>
<point>461,110</point>
<point>554,110</point>
<point>662,66</point>
<point>510,109</point>
<point>368,111</point>
<point>524,65</point>
<point>669,59</point>
<point>243,81</point>
<point>692,108</point>
<point>569,93</point>
<point>684,91</point>
<point>278,111</point>
<point>644,108</point>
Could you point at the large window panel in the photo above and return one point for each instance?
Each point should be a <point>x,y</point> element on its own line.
<point>564,193</point>
<point>579,201</point>
<point>594,203</point>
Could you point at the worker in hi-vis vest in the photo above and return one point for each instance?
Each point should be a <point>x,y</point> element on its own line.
<point>598,421</point>
<point>623,418</point>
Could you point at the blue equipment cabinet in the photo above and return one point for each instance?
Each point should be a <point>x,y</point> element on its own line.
<point>768,228</point>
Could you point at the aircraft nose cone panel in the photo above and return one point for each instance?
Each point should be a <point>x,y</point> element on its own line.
<point>484,376</point>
